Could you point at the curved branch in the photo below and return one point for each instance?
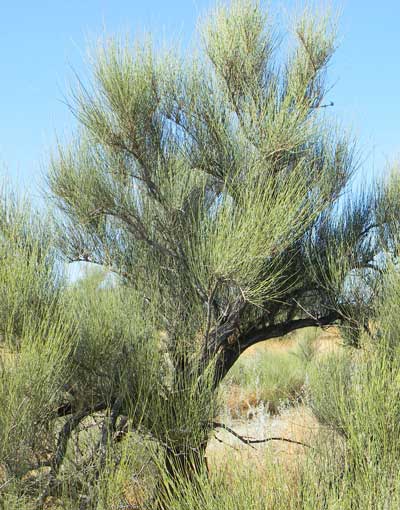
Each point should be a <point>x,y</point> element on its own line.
<point>230,352</point>
<point>277,330</point>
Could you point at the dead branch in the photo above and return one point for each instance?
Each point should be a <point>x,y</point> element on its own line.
<point>248,441</point>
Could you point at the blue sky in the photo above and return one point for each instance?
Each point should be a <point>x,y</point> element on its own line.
<point>42,41</point>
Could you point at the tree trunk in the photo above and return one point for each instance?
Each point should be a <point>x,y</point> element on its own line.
<point>182,467</point>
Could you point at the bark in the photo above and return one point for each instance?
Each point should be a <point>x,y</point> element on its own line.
<point>230,351</point>
<point>182,466</point>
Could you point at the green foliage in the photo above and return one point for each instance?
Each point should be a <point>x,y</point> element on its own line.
<point>332,383</point>
<point>31,385</point>
<point>197,179</point>
<point>243,491</point>
<point>116,351</point>
<point>358,396</point>
<point>36,344</point>
<point>30,281</point>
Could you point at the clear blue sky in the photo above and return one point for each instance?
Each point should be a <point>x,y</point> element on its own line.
<point>41,41</point>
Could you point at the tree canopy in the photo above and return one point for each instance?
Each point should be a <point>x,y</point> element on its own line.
<point>214,183</point>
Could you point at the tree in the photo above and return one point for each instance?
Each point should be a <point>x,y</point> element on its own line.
<point>214,186</point>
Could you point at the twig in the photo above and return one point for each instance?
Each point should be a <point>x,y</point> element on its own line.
<point>136,475</point>
<point>250,442</point>
<point>327,105</point>
<point>307,312</point>
<point>5,483</point>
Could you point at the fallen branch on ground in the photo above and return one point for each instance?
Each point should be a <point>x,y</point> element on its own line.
<point>248,441</point>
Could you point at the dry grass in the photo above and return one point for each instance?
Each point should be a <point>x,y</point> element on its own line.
<point>226,453</point>
<point>271,375</point>
<point>241,403</point>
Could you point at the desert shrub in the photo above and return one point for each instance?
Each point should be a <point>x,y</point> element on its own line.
<point>31,385</point>
<point>66,353</point>
<point>34,340</point>
<point>30,279</point>
<point>210,186</point>
<point>357,395</point>
<point>115,352</point>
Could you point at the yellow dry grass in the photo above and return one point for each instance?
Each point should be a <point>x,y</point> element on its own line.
<point>227,454</point>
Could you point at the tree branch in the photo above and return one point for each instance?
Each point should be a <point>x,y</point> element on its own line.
<point>249,441</point>
<point>70,425</point>
<point>278,330</point>
<point>230,352</point>
<point>67,409</point>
